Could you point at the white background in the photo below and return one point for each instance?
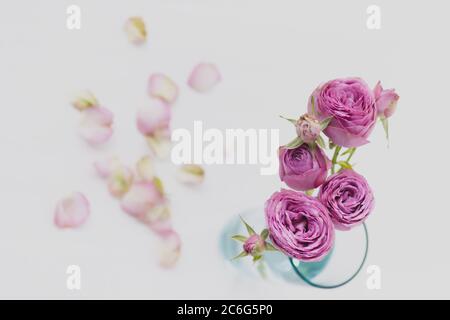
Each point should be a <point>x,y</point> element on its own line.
<point>272,54</point>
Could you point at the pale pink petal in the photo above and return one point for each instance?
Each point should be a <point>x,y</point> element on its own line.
<point>105,167</point>
<point>191,174</point>
<point>160,143</point>
<point>204,77</point>
<point>120,181</point>
<point>141,198</point>
<point>162,87</point>
<point>95,126</point>
<point>85,100</point>
<point>135,30</point>
<point>153,117</point>
<point>72,211</point>
<point>170,249</point>
<point>145,169</point>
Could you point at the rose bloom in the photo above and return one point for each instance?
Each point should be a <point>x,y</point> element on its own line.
<point>351,103</point>
<point>299,225</point>
<point>303,168</point>
<point>348,198</point>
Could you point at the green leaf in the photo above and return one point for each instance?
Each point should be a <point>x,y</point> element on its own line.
<point>384,122</point>
<point>270,247</point>
<point>240,255</point>
<point>320,142</point>
<point>347,151</point>
<point>239,237</point>
<point>331,144</point>
<point>256,258</point>
<point>249,229</point>
<point>324,123</point>
<point>264,234</point>
<point>293,121</point>
<point>297,142</point>
<point>344,164</point>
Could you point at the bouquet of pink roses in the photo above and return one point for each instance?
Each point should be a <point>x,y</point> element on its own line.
<point>303,226</point>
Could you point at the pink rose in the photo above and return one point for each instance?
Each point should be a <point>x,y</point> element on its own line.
<point>385,100</point>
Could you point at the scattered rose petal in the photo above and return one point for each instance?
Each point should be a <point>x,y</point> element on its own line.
<point>160,144</point>
<point>145,169</point>
<point>95,126</point>
<point>170,249</point>
<point>204,77</point>
<point>191,174</point>
<point>72,211</point>
<point>120,181</point>
<point>135,30</point>
<point>141,198</point>
<point>84,101</point>
<point>153,118</point>
<point>162,87</point>
<point>104,168</point>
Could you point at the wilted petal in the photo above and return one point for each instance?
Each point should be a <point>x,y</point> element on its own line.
<point>106,167</point>
<point>153,117</point>
<point>191,174</point>
<point>145,169</point>
<point>170,249</point>
<point>162,87</point>
<point>119,181</point>
<point>85,100</point>
<point>141,198</point>
<point>135,30</point>
<point>95,126</point>
<point>204,77</point>
<point>72,211</point>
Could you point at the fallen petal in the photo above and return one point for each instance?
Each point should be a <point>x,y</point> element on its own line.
<point>191,174</point>
<point>154,117</point>
<point>105,167</point>
<point>170,249</point>
<point>144,168</point>
<point>120,181</point>
<point>85,100</point>
<point>162,87</point>
<point>160,144</point>
<point>72,211</point>
<point>95,126</point>
<point>141,198</point>
<point>204,77</point>
<point>135,30</point>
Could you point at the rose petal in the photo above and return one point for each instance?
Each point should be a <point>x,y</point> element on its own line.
<point>162,87</point>
<point>95,126</point>
<point>145,169</point>
<point>105,167</point>
<point>119,181</point>
<point>72,211</point>
<point>141,198</point>
<point>135,30</point>
<point>204,77</point>
<point>154,117</point>
<point>170,249</point>
<point>160,144</point>
<point>85,100</point>
<point>191,174</point>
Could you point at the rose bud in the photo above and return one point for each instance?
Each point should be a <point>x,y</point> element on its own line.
<point>162,87</point>
<point>308,128</point>
<point>72,211</point>
<point>299,225</point>
<point>348,198</point>
<point>191,174</point>
<point>204,77</point>
<point>84,101</point>
<point>96,125</point>
<point>351,106</point>
<point>119,181</point>
<point>385,100</point>
<point>135,30</point>
<point>254,245</point>
<point>303,168</point>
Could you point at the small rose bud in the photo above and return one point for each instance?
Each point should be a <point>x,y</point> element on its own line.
<point>308,128</point>
<point>254,245</point>
<point>135,30</point>
<point>84,100</point>
<point>191,174</point>
<point>385,101</point>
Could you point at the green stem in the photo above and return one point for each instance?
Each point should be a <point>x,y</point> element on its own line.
<point>351,154</point>
<point>335,156</point>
